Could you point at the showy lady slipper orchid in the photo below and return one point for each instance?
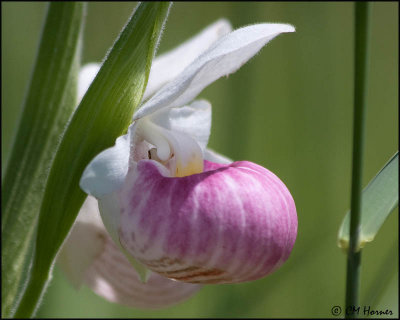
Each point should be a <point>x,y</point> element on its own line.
<point>178,208</point>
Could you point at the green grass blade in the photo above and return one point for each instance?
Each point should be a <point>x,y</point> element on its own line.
<point>48,104</point>
<point>104,114</point>
<point>362,12</point>
<point>379,198</point>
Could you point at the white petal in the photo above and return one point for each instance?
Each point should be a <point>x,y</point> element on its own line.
<point>84,243</point>
<point>213,156</point>
<point>194,120</point>
<point>107,171</point>
<point>168,65</point>
<point>224,57</point>
<point>86,75</point>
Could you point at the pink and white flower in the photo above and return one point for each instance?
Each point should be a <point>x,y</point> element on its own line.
<point>171,204</point>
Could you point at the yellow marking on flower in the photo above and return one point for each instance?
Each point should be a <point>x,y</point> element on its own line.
<point>193,166</point>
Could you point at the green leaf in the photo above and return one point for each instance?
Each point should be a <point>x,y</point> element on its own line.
<point>104,114</point>
<point>48,104</point>
<point>379,198</point>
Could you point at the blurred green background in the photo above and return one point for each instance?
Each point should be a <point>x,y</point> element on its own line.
<point>290,110</point>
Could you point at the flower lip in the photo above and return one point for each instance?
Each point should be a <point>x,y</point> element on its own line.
<point>230,223</point>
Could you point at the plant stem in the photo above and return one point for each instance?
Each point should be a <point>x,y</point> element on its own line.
<point>362,13</point>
